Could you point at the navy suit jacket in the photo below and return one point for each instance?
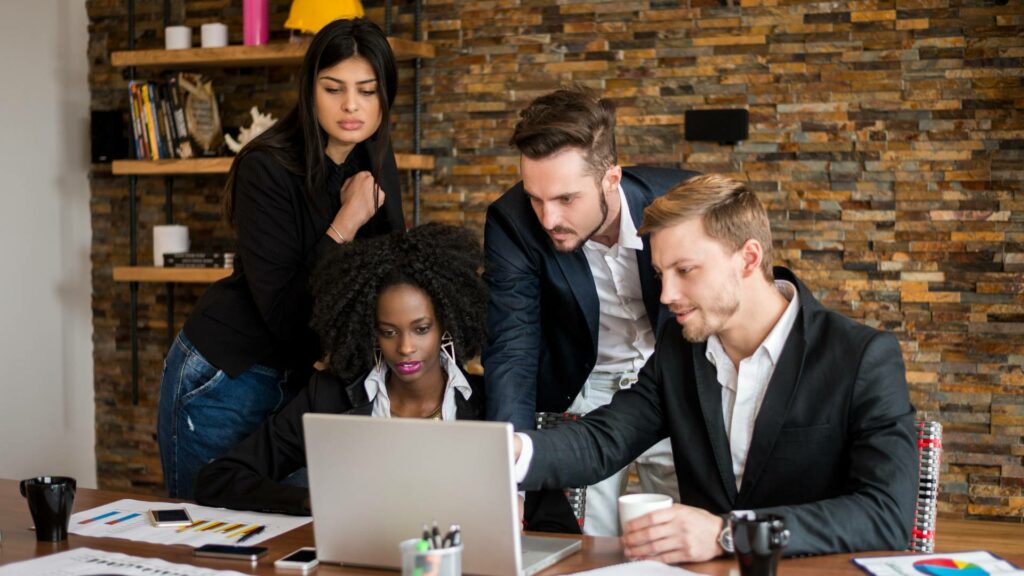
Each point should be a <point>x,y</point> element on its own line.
<point>833,450</point>
<point>543,314</point>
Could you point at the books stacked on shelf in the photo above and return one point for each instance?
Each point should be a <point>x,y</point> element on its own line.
<point>200,260</point>
<point>159,127</point>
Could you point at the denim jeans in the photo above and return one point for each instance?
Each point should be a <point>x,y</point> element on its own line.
<point>203,412</point>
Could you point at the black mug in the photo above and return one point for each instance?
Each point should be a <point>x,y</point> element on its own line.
<point>759,540</point>
<point>50,499</point>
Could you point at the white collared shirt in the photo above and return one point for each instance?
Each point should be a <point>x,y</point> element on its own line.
<point>743,390</point>
<point>377,391</point>
<point>625,339</point>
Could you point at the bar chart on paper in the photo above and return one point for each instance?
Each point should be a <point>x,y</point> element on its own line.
<point>129,519</point>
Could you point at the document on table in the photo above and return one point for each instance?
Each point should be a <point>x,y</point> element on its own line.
<point>86,561</point>
<point>977,563</point>
<point>129,519</point>
<point>642,568</point>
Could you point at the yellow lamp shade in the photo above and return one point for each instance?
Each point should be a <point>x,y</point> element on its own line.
<point>312,15</point>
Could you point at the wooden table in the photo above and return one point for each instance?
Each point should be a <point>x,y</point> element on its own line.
<point>1003,539</point>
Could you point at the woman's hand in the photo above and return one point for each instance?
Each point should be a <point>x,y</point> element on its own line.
<point>360,200</point>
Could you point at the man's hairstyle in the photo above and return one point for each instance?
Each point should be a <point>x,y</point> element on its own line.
<point>731,213</point>
<point>439,259</point>
<point>569,118</point>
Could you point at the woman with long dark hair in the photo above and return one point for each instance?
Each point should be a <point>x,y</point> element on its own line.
<point>324,175</point>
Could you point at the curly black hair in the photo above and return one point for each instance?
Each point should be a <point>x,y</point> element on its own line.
<point>441,260</point>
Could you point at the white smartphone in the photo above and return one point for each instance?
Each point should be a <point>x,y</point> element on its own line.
<point>170,517</point>
<point>301,559</point>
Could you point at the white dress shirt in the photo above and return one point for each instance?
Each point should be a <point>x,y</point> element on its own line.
<point>743,390</point>
<point>377,392</point>
<point>625,339</point>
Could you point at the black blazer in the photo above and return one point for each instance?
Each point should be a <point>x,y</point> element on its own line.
<point>260,314</point>
<point>248,477</point>
<point>542,319</point>
<point>833,451</point>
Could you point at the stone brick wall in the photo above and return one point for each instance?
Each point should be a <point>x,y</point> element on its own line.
<point>886,139</point>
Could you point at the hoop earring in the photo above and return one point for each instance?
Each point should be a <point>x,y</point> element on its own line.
<point>448,346</point>
<point>377,357</point>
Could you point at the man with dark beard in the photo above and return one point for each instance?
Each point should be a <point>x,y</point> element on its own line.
<point>772,402</point>
<point>574,310</point>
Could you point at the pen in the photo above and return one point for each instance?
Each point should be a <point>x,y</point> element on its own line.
<point>435,536</point>
<point>251,534</point>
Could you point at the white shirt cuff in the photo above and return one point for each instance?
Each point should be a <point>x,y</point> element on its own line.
<point>525,457</point>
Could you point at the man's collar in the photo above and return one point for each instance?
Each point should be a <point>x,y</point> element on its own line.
<point>627,229</point>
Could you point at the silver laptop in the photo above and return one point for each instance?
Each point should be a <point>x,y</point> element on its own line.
<point>374,482</point>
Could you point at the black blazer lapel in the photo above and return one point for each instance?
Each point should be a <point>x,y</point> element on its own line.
<point>781,389</point>
<point>577,274</point>
<point>709,392</point>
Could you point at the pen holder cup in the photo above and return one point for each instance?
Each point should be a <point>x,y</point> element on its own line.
<point>440,561</point>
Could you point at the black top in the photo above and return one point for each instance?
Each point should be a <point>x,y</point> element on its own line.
<point>247,477</point>
<point>260,314</point>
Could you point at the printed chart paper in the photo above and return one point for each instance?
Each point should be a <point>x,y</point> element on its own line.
<point>976,563</point>
<point>129,519</point>
<point>86,562</point>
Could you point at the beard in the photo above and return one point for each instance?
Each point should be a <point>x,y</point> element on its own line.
<point>572,247</point>
<point>712,317</point>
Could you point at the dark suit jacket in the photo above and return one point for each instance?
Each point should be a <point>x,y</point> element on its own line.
<point>833,449</point>
<point>543,314</point>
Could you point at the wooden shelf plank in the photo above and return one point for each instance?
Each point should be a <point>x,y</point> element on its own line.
<point>177,275</point>
<point>276,54</point>
<point>222,165</point>
<point>171,167</point>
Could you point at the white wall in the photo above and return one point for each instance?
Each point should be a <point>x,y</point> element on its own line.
<point>46,366</point>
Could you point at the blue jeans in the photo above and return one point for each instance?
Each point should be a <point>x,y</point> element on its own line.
<point>203,412</point>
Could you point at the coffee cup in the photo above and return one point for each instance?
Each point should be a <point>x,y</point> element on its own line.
<point>758,540</point>
<point>50,500</point>
<point>633,506</point>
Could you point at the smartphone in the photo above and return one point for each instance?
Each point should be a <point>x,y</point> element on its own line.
<point>301,559</point>
<point>170,517</point>
<point>225,551</point>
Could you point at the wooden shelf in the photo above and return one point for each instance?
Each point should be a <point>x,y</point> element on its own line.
<point>222,165</point>
<point>177,275</point>
<point>278,54</point>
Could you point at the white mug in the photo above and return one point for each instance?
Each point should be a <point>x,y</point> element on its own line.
<point>177,37</point>
<point>213,35</point>
<point>633,506</point>
<point>169,239</point>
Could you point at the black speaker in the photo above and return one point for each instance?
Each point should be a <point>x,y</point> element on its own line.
<point>109,140</point>
<point>722,126</point>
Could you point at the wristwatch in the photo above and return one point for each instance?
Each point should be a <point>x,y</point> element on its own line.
<point>725,536</point>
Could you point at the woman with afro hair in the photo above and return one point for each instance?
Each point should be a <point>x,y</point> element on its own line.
<point>395,314</point>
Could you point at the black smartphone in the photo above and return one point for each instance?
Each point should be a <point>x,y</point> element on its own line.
<point>225,551</point>
<point>170,517</point>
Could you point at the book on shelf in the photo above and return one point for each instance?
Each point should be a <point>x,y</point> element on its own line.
<point>159,124</point>
<point>199,260</point>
